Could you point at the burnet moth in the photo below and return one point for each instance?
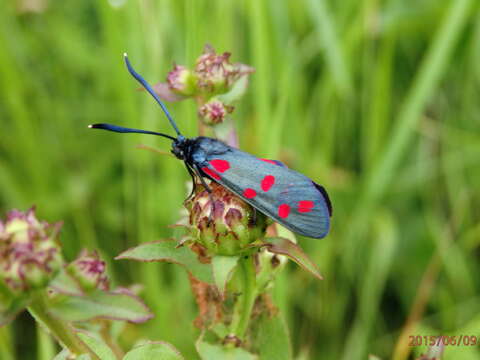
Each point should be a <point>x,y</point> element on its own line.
<point>288,197</point>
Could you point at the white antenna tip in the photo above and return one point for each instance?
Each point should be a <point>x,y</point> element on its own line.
<point>124,54</point>
<point>90,126</point>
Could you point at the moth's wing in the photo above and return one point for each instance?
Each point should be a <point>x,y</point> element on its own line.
<point>283,194</point>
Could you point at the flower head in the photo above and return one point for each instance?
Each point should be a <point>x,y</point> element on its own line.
<point>89,271</point>
<point>214,112</point>
<point>229,227</point>
<point>215,73</point>
<point>29,253</point>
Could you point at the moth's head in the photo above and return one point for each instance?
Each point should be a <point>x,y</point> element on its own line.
<point>179,146</point>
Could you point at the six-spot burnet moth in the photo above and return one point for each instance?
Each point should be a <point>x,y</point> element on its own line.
<point>283,194</point>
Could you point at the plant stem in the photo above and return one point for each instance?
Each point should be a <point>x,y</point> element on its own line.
<point>7,351</point>
<point>61,330</point>
<point>107,338</point>
<point>244,306</point>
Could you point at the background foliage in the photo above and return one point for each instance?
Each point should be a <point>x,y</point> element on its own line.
<point>376,99</point>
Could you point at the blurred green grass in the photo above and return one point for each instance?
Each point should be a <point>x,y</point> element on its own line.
<point>377,100</point>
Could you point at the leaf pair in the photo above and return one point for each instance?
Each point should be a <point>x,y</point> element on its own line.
<point>150,350</point>
<point>71,304</point>
<point>221,267</point>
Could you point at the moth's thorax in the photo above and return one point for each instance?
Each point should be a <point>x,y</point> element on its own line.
<point>198,149</point>
<point>210,146</point>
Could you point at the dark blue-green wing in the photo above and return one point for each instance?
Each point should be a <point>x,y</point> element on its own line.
<point>283,194</point>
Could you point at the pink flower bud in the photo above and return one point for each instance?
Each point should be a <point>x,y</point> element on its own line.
<point>214,112</point>
<point>89,271</point>
<point>29,253</point>
<point>181,80</point>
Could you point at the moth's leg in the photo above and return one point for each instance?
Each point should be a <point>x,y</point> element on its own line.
<point>194,183</point>
<point>197,172</point>
<point>254,216</point>
<point>209,190</point>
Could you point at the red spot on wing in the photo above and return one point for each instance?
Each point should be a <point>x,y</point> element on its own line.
<point>283,210</point>
<point>249,193</point>
<point>305,206</point>
<point>267,182</point>
<point>269,161</point>
<point>211,173</point>
<point>220,165</point>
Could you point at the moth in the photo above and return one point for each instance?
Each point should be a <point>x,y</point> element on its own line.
<point>285,195</point>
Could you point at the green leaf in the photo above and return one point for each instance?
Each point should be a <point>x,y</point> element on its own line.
<point>118,305</point>
<point>65,284</point>
<point>97,346</point>
<point>166,250</point>
<point>285,233</point>
<point>272,339</point>
<point>236,92</point>
<point>285,247</point>
<point>222,269</point>
<point>9,313</point>
<point>335,57</point>
<point>158,350</point>
<point>209,351</point>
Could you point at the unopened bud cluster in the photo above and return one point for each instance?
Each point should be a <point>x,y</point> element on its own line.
<point>230,227</point>
<point>89,271</point>
<point>215,73</point>
<point>29,252</point>
<point>212,75</point>
<point>214,111</point>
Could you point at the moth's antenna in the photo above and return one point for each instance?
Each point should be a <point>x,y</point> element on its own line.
<point>147,87</point>
<point>122,129</point>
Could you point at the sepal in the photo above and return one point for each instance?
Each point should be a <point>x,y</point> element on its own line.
<point>282,246</point>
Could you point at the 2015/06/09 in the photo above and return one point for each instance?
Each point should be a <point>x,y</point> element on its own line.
<point>446,340</point>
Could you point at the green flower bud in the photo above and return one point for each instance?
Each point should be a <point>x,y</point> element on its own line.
<point>181,80</point>
<point>29,253</point>
<point>227,229</point>
<point>214,112</point>
<point>89,271</point>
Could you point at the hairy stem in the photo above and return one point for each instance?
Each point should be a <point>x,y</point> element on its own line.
<point>109,340</point>
<point>244,306</point>
<point>61,330</point>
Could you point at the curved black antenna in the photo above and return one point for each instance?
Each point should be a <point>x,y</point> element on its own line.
<point>122,129</point>
<point>147,87</point>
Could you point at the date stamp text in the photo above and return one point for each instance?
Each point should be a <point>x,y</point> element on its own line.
<point>445,340</point>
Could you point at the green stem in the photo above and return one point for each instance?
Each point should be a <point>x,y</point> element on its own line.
<point>61,330</point>
<point>7,350</point>
<point>244,306</point>
<point>108,339</point>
